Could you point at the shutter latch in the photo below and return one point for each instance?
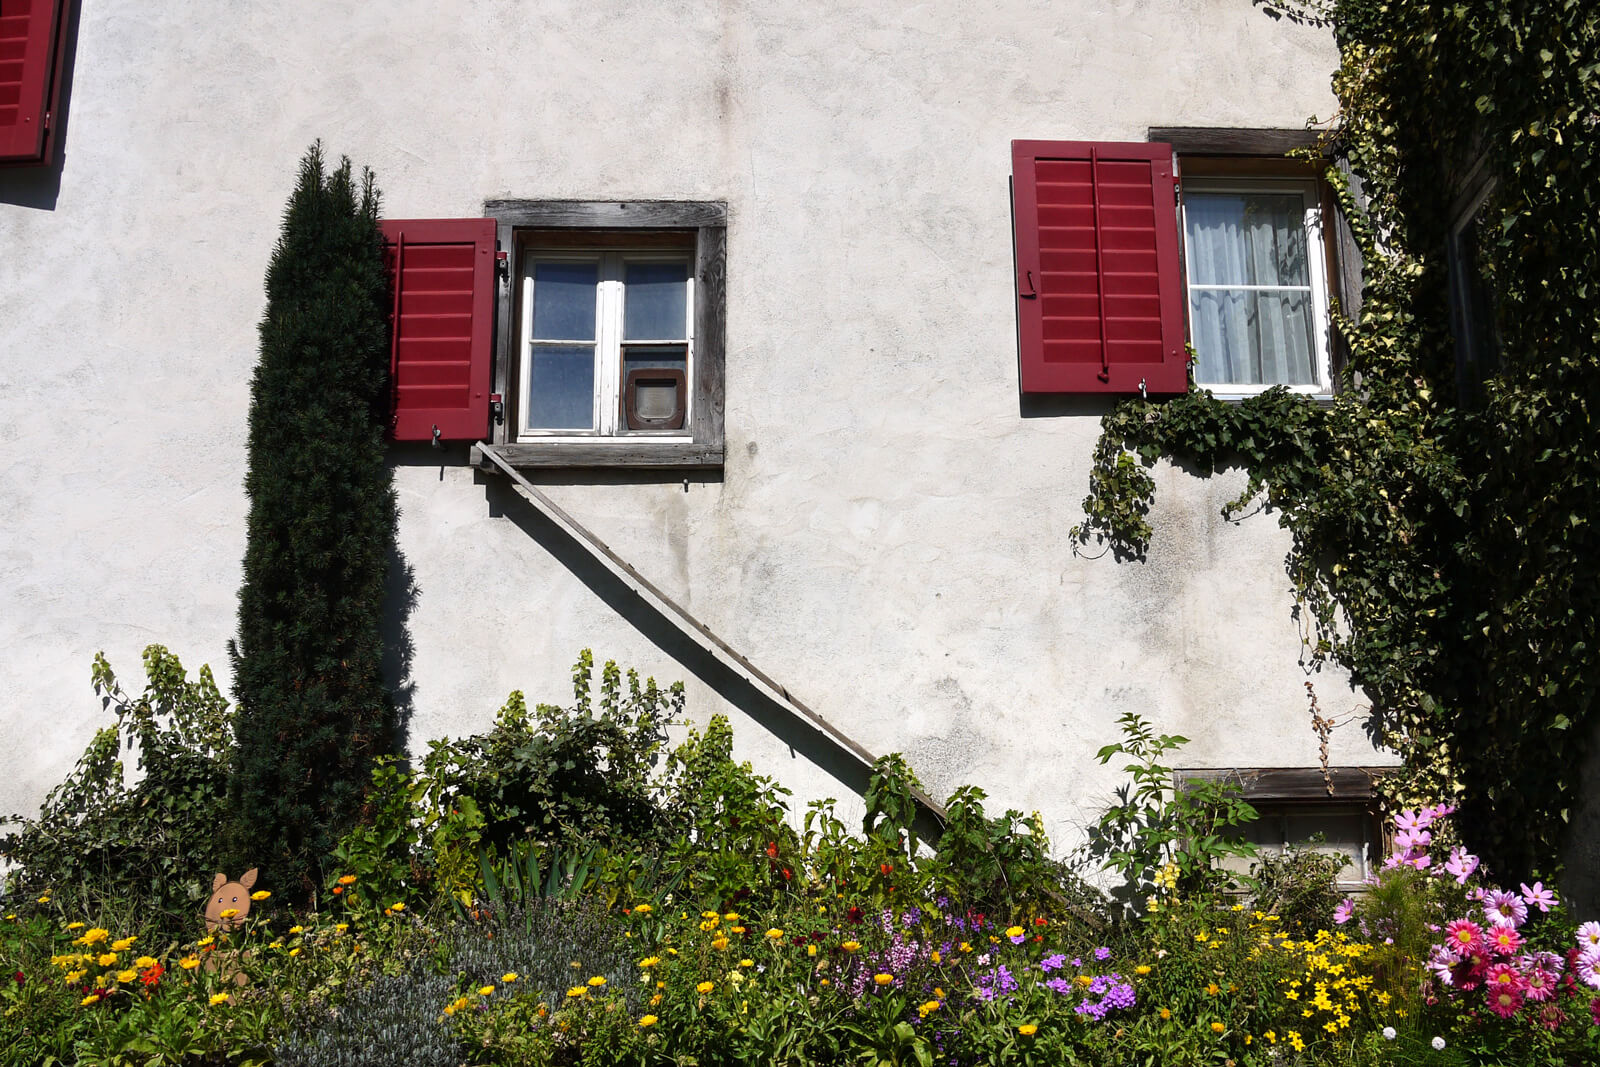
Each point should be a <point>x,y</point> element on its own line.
<point>497,408</point>
<point>502,264</point>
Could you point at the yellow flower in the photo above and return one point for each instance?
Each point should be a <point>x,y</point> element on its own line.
<point>883,979</point>
<point>72,976</point>
<point>851,946</point>
<point>204,941</point>
<point>218,998</point>
<point>1027,1029</point>
<point>347,879</point>
<point>340,928</point>
<point>1271,1036</point>
<point>1143,968</point>
<point>123,945</point>
<point>1217,1028</point>
<point>705,987</point>
<point>775,934</point>
<point>90,999</point>
<point>927,1008</point>
<point>655,1000</point>
<point>1015,931</point>
<point>737,929</point>
<point>397,907</point>
<point>577,991</point>
<point>189,963</point>
<point>811,950</point>
<point>597,981</point>
<point>1166,1013</point>
<point>297,929</point>
<point>648,1020</point>
<point>719,943</point>
<point>275,944</point>
<point>1211,989</point>
<point>485,990</point>
<point>747,963</point>
<point>966,947</point>
<point>509,977</point>
<point>295,951</point>
<point>144,962</point>
<point>107,959</point>
<point>45,899</point>
<point>75,926</point>
<point>934,955</point>
<point>228,913</point>
<point>642,909</point>
<point>825,983</point>
<point>1294,1039</point>
<point>126,976</point>
<point>649,961</point>
<point>732,916</point>
<point>260,894</point>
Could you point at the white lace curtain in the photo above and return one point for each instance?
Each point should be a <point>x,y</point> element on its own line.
<point>1250,310</point>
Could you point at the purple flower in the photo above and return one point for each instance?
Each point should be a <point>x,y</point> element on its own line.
<point>1345,909</point>
<point>1059,985</point>
<point>1589,936</point>
<point>1052,963</point>
<point>1102,953</point>
<point>1538,897</point>
<point>1588,968</point>
<point>1504,907</point>
<point>1076,962</point>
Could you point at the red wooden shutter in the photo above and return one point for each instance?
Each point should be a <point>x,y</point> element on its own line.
<point>441,350</point>
<point>1099,294</point>
<point>31,32</point>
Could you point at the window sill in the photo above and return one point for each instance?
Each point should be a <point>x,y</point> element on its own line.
<point>634,453</point>
<point>1228,396</point>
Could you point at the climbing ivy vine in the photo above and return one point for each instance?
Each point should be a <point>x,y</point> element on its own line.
<point>1445,526</point>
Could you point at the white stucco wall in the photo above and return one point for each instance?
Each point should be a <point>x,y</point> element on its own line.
<point>889,535</point>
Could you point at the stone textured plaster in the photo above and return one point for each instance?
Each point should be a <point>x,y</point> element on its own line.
<point>889,536</point>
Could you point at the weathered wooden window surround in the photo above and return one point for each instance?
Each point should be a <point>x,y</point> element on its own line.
<point>696,229</point>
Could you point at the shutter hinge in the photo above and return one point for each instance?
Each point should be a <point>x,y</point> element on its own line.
<point>46,124</point>
<point>497,408</point>
<point>502,264</point>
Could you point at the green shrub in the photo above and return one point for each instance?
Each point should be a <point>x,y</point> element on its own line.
<point>314,712</point>
<point>100,843</point>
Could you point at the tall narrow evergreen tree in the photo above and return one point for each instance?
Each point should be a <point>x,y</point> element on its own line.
<point>313,707</point>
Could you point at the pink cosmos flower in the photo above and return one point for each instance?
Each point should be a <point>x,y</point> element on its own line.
<point>1504,940</point>
<point>1345,909</point>
<point>1409,841</point>
<point>1463,936</point>
<point>1439,811</point>
<point>1503,907</point>
<point>1504,1001</point>
<point>1461,865</point>
<point>1589,935</point>
<point>1538,897</point>
<point>1409,822</point>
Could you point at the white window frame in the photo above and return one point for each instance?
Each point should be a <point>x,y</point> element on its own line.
<point>607,418</point>
<point>1317,271</point>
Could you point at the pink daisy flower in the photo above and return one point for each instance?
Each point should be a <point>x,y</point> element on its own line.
<point>1588,969</point>
<point>1551,1017</point>
<point>1464,935</point>
<point>1547,961</point>
<point>1442,962</point>
<point>1538,896</point>
<point>1504,976</point>
<point>1503,907</point>
<point>1504,940</point>
<point>1589,935</point>
<point>1504,1001</point>
<point>1594,1010</point>
<point>1539,984</point>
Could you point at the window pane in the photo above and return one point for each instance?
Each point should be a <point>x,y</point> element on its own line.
<point>1250,337</point>
<point>564,301</point>
<point>654,299</point>
<point>1246,238</point>
<point>561,387</point>
<point>636,356</point>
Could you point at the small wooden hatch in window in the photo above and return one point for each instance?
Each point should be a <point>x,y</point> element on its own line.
<point>655,398</point>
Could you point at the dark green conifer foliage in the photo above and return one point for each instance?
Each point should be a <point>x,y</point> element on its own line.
<point>313,707</point>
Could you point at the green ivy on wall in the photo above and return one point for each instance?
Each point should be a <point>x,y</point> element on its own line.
<point>1445,544</point>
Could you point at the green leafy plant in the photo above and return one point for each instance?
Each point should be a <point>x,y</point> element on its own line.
<point>1159,820</point>
<point>100,839</point>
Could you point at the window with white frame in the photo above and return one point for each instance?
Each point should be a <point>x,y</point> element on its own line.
<point>1257,280</point>
<point>606,337</point>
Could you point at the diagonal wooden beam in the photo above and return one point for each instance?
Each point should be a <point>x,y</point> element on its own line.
<point>693,628</point>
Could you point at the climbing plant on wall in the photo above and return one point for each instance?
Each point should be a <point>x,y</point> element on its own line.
<point>1443,514</point>
<point>313,710</point>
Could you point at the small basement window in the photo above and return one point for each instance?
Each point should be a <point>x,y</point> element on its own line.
<point>1301,808</point>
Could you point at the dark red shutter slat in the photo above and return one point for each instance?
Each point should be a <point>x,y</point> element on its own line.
<point>1099,292</point>
<point>30,32</point>
<point>443,326</point>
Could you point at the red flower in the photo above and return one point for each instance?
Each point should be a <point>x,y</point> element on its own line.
<point>787,874</point>
<point>1041,921</point>
<point>772,849</point>
<point>152,975</point>
<point>853,915</point>
<point>886,869</point>
<point>20,977</point>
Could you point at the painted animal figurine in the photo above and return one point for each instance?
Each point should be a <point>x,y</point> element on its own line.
<point>229,896</point>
